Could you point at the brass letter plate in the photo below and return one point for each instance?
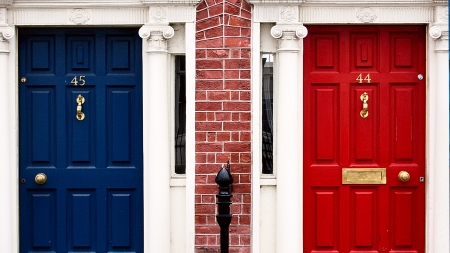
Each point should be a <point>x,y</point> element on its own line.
<point>364,176</point>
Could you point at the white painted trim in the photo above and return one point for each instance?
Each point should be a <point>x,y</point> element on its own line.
<point>190,137</point>
<point>437,139</point>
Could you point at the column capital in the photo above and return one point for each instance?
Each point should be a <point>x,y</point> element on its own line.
<point>288,35</point>
<point>440,35</point>
<point>157,36</point>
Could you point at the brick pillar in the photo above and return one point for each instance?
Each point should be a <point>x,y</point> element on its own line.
<point>222,120</point>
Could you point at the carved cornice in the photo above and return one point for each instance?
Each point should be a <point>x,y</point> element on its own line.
<point>440,35</point>
<point>157,36</point>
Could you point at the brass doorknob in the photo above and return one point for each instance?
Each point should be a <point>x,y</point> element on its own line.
<point>403,176</point>
<point>40,178</point>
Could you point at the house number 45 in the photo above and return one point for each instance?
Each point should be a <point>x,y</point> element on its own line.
<point>81,80</point>
<point>360,78</point>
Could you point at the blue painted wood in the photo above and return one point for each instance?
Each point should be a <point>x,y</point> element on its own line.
<point>93,198</point>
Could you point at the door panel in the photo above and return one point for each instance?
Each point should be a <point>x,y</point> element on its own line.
<point>92,200</point>
<point>341,64</point>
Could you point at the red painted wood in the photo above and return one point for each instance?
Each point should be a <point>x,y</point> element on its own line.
<point>364,218</point>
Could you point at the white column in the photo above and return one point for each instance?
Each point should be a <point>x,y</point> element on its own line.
<point>156,139</point>
<point>8,204</point>
<point>289,137</point>
<point>437,232</point>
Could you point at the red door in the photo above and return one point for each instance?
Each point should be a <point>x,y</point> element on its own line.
<point>364,132</point>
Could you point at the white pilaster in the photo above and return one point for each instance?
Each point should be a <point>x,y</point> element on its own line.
<point>156,139</point>
<point>437,232</point>
<point>8,207</point>
<point>289,139</point>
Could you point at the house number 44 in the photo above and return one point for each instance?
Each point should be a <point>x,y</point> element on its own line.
<point>361,79</point>
<point>80,80</point>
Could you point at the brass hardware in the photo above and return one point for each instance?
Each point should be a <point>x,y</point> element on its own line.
<point>403,176</point>
<point>40,178</point>
<point>23,79</point>
<point>80,100</point>
<point>365,111</point>
<point>364,176</point>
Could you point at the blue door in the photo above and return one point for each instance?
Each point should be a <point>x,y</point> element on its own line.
<point>80,102</point>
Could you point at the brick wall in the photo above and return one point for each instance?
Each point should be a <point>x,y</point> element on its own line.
<point>222,121</point>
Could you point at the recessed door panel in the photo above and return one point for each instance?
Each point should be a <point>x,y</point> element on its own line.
<point>364,138</point>
<point>81,131</point>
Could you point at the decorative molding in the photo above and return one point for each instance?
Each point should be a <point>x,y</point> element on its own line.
<point>2,15</point>
<point>171,2</point>
<point>366,15</point>
<point>96,16</point>
<point>435,32</point>
<point>79,16</point>
<point>7,32</point>
<point>442,14</point>
<point>288,14</point>
<point>158,14</point>
<point>375,15</point>
<point>157,36</point>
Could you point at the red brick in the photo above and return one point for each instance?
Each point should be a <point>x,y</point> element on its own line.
<point>210,116</point>
<point>223,158</point>
<point>234,239</point>
<point>200,136</point>
<point>238,21</point>
<point>235,95</point>
<point>215,10</point>
<point>218,95</point>
<point>245,116</point>
<point>241,167</point>
<point>204,208</point>
<point>200,116</point>
<point>209,64</point>
<point>201,6</point>
<point>237,85</point>
<point>244,74</point>
<point>223,136</point>
<point>237,147</point>
<point>247,198</point>
<point>200,179</point>
<point>237,64</point>
<point>246,13</point>
<point>208,249</point>
<point>244,239</point>
<point>200,95</point>
<point>209,199</point>
<point>210,43</point>
<point>232,9</point>
<point>211,137</point>
<point>245,136</point>
<point>212,178</point>
<point>200,53</point>
<point>246,6</point>
<point>209,74</point>
<point>202,14</point>
<point>245,95</point>
<point>211,2</point>
<point>200,219</point>
<point>200,36</point>
<point>208,106</point>
<point>223,116</point>
<point>235,137</point>
<point>231,74</point>
<point>236,126</point>
<point>208,147</point>
<point>208,126</point>
<point>218,53</point>
<point>212,240</point>
<point>205,168</point>
<point>211,219</point>
<point>244,178</point>
<point>246,32</point>
<point>208,23</point>
<point>207,229</point>
<point>232,31</point>
<point>236,2</point>
<point>235,117</point>
<point>235,53</point>
<point>246,53</point>
<point>211,158</point>
<point>206,189</point>
<point>237,42</point>
<point>236,106</point>
<point>214,32</point>
<point>201,240</point>
<point>208,85</point>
